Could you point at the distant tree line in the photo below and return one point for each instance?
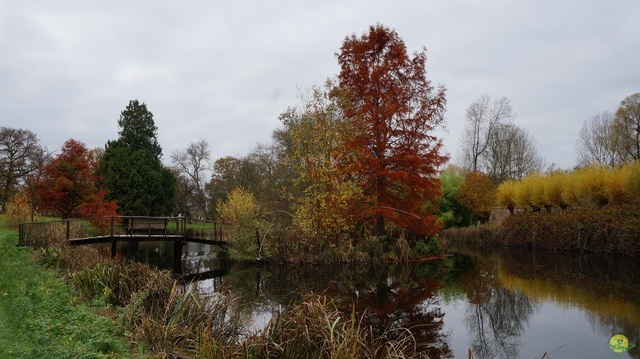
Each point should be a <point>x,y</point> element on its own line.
<point>611,139</point>
<point>500,165</point>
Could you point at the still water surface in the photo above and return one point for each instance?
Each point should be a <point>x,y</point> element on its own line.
<point>502,303</point>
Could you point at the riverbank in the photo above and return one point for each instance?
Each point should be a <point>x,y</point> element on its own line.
<point>611,230</point>
<point>41,318</point>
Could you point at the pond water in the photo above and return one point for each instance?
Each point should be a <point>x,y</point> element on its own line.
<point>500,303</point>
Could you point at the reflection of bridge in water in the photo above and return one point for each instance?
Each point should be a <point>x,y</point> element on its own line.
<point>130,229</point>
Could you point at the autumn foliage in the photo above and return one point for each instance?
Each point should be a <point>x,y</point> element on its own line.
<point>18,210</point>
<point>393,109</point>
<point>68,184</point>
<point>477,193</point>
<point>589,187</point>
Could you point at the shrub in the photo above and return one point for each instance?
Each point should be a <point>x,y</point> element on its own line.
<point>240,212</point>
<point>553,187</point>
<point>615,179</point>
<point>590,185</point>
<point>505,195</point>
<point>611,230</point>
<point>529,193</point>
<point>18,211</point>
<point>632,184</point>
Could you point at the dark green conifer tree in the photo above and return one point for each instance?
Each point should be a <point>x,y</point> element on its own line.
<point>131,168</point>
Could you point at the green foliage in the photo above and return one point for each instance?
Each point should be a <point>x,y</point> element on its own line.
<point>450,212</point>
<point>428,247</point>
<point>138,131</point>
<point>131,170</point>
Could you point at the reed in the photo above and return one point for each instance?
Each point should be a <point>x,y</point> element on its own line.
<point>172,321</point>
<point>312,329</point>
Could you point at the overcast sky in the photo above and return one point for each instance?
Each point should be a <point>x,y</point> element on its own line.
<point>224,70</point>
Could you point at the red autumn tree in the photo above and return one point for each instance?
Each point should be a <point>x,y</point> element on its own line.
<point>68,184</point>
<point>393,110</point>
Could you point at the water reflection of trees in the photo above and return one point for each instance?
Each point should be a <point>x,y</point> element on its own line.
<point>607,289</point>
<point>495,316</point>
<point>387,298</point>
<point>406,297</point>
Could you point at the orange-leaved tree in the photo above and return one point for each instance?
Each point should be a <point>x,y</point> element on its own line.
<point>387,99</point>
<point>478,194</point>
<point>68,184</point>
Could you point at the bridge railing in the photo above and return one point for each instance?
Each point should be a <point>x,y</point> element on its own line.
<point>46,233</point>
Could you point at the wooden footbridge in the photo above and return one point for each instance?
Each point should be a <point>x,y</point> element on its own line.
<point>114,229</point>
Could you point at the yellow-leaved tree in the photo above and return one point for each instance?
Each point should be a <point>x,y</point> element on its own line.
<point>506,195</point>
<point>323,197</point>
<point>240,214</point>
<point>554,184</point>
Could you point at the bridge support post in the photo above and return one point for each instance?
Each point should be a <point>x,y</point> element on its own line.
<point>177,256</point>
<point>114,246</point>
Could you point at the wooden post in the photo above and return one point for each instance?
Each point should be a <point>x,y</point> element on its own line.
<point>114,247</point>
<point>21,234</point>
<point>68,229</point>
<point>184,226</point>
<point>114,243</point>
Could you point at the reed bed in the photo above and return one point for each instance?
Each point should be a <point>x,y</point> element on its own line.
<point>312,329</point>
<point>167,319</point>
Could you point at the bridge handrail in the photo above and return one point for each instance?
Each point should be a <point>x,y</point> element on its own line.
<point>50,231</point>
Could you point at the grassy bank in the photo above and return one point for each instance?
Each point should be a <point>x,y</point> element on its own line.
<point>38,314</point>
<point>612,230</point>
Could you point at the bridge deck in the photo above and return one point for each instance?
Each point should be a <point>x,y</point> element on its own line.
<point>141,237</point>
<point>114,229</point>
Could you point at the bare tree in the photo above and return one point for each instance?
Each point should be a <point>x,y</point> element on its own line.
<point>511,154</point>
<point>192,163</point>
<point>627,123</point>
<point>599,142</point>
<point>20,154</point>
<point>483,117</point>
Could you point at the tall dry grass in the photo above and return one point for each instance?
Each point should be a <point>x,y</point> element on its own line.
<point>312,329</point>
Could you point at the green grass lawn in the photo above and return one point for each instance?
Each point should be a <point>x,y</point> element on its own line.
<point>38,317</point>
